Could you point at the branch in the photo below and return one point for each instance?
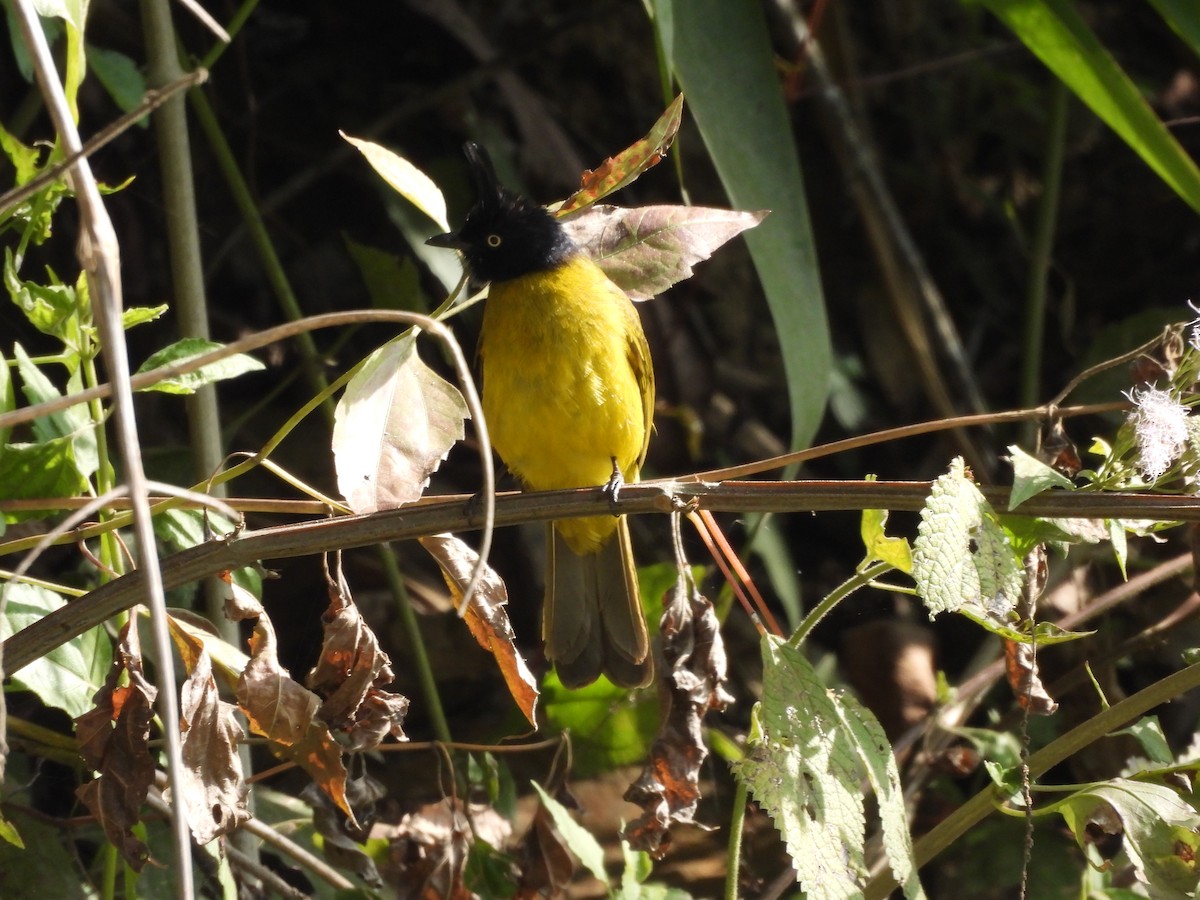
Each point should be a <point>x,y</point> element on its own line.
<point>441,514</point>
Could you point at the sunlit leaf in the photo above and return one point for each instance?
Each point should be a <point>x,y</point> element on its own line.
<point>623,169</point>
<point>646,250</point>
<point>1057,34</point>
<point>894,551</point>
<point>214,788</point>
<point>114,741</point>
<point>139,315</point>
<point>190,382</point>
<point>405,178</point>
<point>67,676</point>
<point>806,770</point>
<point>1031,477</point>
<point>486,617</point>
<point>394,425</point>
<point>74,422</point>
<point>580,841</point>
<point>961,554</point>
<point>610,726</point>
<point>284,713</point>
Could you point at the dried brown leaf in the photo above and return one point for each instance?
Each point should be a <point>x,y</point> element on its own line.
<point>113,741</point>
<point>214,787</point>
<point>240,604</point>
<point>1020,665</point>
<point>344,837</point>
<point>285,713</point>
<point>432,845</point>
<point>647,249</point>
<point>668,790</point>
<point>487,618</point>
<point>351,674</point>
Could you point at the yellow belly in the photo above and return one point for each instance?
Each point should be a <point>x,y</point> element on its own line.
<point>566,384</point>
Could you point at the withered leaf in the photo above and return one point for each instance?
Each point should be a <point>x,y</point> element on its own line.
<point>668,790</point>
<point>486,618</point>
<point>1020,665</point>
<point>240,604</point>
<point>434,844</point>
<point>113,741</point>
<point>351,674</point>
<point>393,426</point>
<point>547,864</point>
<point>285,713</point>
<point>623,169</point>
<point>647,249</point>
<point>344,838</point>
<point>215,789</point>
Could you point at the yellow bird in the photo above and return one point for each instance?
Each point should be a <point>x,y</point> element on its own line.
<point>568,392</point>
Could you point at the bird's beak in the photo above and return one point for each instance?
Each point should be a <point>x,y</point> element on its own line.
<point>450,240</point>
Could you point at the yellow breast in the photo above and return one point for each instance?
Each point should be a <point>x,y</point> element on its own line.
<point>567,381</point>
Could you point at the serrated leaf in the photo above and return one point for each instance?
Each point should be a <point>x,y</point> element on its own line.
<point>1158,828</point>
<point>405,178</point>
<point>627,166</point>
<point>393,426</point>
<point>961,554</point>
<point>806,770</point>
<point>1031,477</point>
<point>67,676</point>
<point>647,249</point>
<point>190,382</point>
<point>579,840</point>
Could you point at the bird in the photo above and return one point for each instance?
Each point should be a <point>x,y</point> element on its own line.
<point>568,396</point>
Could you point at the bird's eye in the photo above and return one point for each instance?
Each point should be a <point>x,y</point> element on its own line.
<point>494,241</point>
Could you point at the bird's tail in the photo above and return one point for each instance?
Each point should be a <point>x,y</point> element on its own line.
<point>592,619</point>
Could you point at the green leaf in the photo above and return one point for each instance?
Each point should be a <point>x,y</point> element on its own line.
<point>1031,477</point>
<point>52,309</point>
<point>392,282</point>
<point>67,676</point>
<point>139,315</point>
<point>1184,18</point>
<point>1055,32</point>
<point>961,554</point>
<point>9,834</point>
<point>190,382</point>
<point>892,550</point>
<point>120,76</point>
<point>42,470</point>
<point>1148,732</point>
<point>609,725</point>
<point>580,841</point>
<point>721,53</point>
<point>8,400</point>
<point>806,770</point>
<point>1158,827</point>
<point>74,422</point>
<point>1045,633</point>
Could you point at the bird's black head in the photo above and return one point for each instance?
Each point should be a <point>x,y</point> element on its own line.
<point>505,235</point>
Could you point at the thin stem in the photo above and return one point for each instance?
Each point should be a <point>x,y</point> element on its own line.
<point>1043,245</point>
<point>412,628</point>
<point>984,803</point>
<point>736,828</point>
<point>834,597</point>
